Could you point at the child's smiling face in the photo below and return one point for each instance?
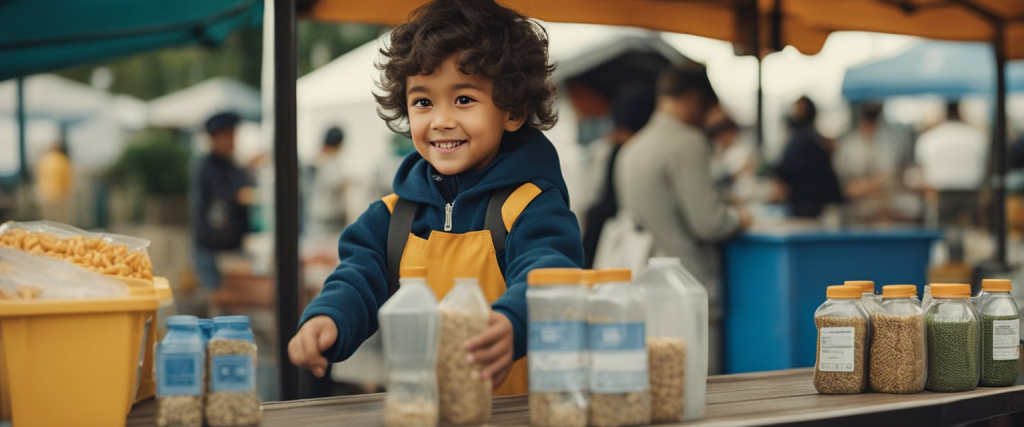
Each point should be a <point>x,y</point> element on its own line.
<point>454,122</point>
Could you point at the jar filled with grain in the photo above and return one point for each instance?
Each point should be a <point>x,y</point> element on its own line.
<point>464,399</point>
<point>954,340</point>
<point>619,384</point>
<point>180,374</point>
<point>232,400</point>
<point>898,362</point>
<point>677,337</point>
<point>557,344</point>
<point>841,362</point>
<point>871,301</point>
<point>410,328</point>
<point>1000,334</point>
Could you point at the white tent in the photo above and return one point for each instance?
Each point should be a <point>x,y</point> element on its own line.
<point>190,107</point>
<point>341,94</point>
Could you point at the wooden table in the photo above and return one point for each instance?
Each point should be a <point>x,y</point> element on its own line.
<point>764,398</point>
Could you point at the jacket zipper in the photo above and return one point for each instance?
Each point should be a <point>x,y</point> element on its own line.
<point>448,216</point>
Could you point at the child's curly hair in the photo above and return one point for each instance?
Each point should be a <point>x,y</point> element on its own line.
<point>497,42</point>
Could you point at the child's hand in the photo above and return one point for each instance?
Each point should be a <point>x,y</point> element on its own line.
<point>493,349</point>
<point>306,348</point>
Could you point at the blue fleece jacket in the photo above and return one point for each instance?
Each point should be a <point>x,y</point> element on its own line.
<point>546,235</point>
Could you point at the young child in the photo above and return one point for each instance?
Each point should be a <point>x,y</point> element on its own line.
<point>482,196</point>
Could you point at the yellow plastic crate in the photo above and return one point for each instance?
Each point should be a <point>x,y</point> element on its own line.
<point>77,362</point>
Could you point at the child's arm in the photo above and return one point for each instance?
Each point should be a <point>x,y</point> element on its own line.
<point>546,235</point>
<point>344,315</point>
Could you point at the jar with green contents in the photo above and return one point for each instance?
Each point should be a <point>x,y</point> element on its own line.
<point>1000,334</point>
<point>954,340</point>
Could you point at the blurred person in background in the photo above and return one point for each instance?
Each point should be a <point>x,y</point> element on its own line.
<point>54,178</point>
<point>731,160</point>
<point>806,180</point>
<point>222,194</point>
<point>663,177</point>
<point>953,157</point>
<point>325,213</point>
<point>869,162</point>
<point>631,110</point>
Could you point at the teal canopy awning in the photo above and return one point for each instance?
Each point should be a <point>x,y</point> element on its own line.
<point>45,35</point>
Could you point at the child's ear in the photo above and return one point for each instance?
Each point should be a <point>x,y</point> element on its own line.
<point>513,124</point>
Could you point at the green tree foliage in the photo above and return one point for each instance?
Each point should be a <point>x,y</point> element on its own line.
<point>156,162</point>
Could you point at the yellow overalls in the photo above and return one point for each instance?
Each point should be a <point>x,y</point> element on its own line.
<point>448,256</point>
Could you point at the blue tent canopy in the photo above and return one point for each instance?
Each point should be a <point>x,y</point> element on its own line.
<point>947,69</point>
<point>44,35</point>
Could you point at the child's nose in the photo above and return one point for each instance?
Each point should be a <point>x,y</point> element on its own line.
<point>444,119</point>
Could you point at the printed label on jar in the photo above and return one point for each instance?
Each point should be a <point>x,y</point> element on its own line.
<point>837,352</point>
<point>232,373</point>
<point>618,358</point>
<point>557,361</point>
<point>1005,339</point>
<point>179,374</point>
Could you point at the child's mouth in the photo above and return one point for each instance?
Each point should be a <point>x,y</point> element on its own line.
<point>447,146</point>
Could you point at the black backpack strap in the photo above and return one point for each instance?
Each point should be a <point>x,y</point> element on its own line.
<point>399,228</point>
<point>493,220</point>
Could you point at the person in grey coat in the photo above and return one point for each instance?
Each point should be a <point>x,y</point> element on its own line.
<point>665,182</point>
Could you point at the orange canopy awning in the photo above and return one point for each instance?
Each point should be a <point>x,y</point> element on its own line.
<point>804,24</point>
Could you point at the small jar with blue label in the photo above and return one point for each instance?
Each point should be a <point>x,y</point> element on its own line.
<point>557,343</point>
<point>616,338</point>
<point>232,400</point>
<point>179,366</point>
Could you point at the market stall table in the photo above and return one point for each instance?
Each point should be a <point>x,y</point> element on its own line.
<point>764,398</point>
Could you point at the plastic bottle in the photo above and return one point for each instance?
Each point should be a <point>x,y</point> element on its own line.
<point>180,374</point>
<point>841,363</point>
<point>410,327</point>
<point>954,340</point>
<point>1000,320</point>
<point>557,347</point>
<point>233,400</point>
<point>871,301</point>
<point>668,288</point>
<point>464,398</point>
<point>898,362</point>
<point>619,382</point>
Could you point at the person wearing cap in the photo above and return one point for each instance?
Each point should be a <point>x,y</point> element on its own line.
<point>221,195</point>
<point>326,214</point>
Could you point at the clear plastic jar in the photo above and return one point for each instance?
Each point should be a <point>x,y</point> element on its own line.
<point>899,358</point>
<point>410,328</point>
<point>233,400</point>
<point>619,383</point>
<point>557,344</point>
<point>869,299</point>
<point>1000,334</point>
<point>840,366</point>
<point>954,340</point>
<point>180,374</point>
<point>677,340</point>
<point>464,398</point>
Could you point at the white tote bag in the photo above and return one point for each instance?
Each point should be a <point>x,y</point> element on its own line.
<point>623,244</point>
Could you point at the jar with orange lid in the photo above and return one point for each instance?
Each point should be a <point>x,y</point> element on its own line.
<point>619,384</point>
<point>1000,334</point>
<point>954,340</point>
<point>557,343</point>
<point>841,363</point>
<point>898,362</point>
<point>869,299</point>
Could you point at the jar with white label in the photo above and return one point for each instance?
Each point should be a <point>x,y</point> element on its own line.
<point>841,363</point>
<point>179,363</point>
<point>557,344</point>
<point>619,383</point>
<point>1000,329</point>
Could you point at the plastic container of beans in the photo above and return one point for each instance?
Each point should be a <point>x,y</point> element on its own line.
<point>843,328</point>
<point>899,358</point>
<point>1000,334</point>
<point>954,340</point>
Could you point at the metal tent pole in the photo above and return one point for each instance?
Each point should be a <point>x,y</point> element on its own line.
<point>999,146</point>
<point>286,189</point>
<point>22,158</point>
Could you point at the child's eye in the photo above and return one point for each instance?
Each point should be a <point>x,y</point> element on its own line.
<point>463,100</point>
<point>422,102</point>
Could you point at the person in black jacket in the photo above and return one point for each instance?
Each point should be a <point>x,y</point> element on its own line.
<point>222,193</point>
<point>808,181</point>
